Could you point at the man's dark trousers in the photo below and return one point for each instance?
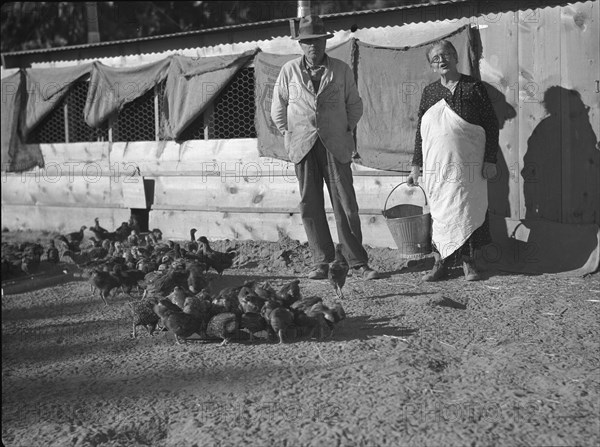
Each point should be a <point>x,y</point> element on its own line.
<point>317,166</point>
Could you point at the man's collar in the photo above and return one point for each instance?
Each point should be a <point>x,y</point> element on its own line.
<point>324,63</point>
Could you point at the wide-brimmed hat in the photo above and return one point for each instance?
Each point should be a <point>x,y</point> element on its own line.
<point>312,27</point>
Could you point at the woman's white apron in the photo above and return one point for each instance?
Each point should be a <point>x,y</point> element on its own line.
<point>453,151</point>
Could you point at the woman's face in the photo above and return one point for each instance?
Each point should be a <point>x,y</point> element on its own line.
<point>314,49</point>
<point>443,60</point>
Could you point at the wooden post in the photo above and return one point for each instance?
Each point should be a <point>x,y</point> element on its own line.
<point>156,116</point>
<point>207,118</point>
<point>66,115</point>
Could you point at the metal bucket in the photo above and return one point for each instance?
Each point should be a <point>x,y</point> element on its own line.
<point>410,226</point>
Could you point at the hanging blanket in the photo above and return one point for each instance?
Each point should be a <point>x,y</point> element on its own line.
<point>390,82</point>
<point>111,88</point>
<point>452,160</point>
<point>192,84</point>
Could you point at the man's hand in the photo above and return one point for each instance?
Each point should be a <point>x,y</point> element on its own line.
<point>413,177</point>
<point>489,170</point>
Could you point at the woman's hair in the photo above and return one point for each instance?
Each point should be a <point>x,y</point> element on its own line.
<point>445,45</point>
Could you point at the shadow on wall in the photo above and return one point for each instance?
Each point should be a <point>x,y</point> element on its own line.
<point>561,185</point>
<point>561,169</point>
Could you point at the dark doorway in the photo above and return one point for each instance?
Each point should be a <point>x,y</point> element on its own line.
<point>140,217</point>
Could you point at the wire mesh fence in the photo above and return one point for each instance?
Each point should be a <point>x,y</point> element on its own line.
<point>231,115</point>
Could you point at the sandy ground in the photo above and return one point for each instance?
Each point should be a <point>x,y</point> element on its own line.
<point>512,360</point>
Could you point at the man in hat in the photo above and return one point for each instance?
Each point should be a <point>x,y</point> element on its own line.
<point>316,107</point>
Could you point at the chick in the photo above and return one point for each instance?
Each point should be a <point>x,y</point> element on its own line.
<point>164,305</point>
<point>338,271</point>
<point>163,282</point>
<point>289,293</point>
<point>253,322</point>
<point>133,239</point>
<point>196,280</point>
<point>332,315</point>
<point>279,318</point>
<point>224,325</point>
<point>29,264</point>
<point>52,254</point>
<point>308,318</point>
<point>103,281</point>
<point>181,324</point>
<point>76,237</point>
<point>265,291</point>
<point>249,301</point>
<point>192,245</point>
<point>144,315</point>
<point>228,299</point>
<point>129,278</point>
<point>216,259</point>
<point>178,296</point>
<point>199,308</point>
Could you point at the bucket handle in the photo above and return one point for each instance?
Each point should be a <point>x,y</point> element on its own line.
<point>389,195</point>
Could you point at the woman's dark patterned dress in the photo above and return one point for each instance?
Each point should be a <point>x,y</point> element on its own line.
<point>470,101</point>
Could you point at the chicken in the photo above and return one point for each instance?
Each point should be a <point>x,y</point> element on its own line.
<point>265,291</point>
<point>34,250</point>
<point>165,305</point>
<point>52,254</point>
<point>129,278</point>
<point>228,299</point>
<point>338,271</point>
<point>144,315</point>
<point>29,264</point>
<point>123,231</point>
<point>181,324</point>
<point>332,315</point>
<point>200,308</point>
<point>76,237</point>
<point>289,293</point>
<point>281,319</point>
<point>192,246</point>
<point>101,233</point>
<point>163,283</point>
<point>196,280</point>
<point>249,301</point>
<point>216,259</point>
<point>133,239</point>
<point>253,322</point>
<point>105,282</point>
<point>178,296</point>
<point>305,317</point>
<point>224,325</point>
<point>64,245</point>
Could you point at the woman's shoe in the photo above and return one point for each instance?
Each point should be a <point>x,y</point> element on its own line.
<point>471,273</point>
<point>439,270</point>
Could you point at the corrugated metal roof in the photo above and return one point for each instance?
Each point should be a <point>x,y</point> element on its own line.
<point>229,28</point>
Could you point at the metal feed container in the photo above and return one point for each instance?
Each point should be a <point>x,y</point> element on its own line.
<point>410,226</point>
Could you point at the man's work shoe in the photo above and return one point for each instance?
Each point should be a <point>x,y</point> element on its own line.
<point>366,272</point>
<point>471,273</point>
<point>319,272</point>
<point>439,271</point>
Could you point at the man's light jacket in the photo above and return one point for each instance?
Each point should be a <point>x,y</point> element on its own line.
<point>302,115</point>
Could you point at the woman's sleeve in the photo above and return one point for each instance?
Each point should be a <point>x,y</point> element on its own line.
<point>489,122</point>
<point>418,153</point>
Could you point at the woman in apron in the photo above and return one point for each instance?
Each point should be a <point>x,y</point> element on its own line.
<point>456,146</point>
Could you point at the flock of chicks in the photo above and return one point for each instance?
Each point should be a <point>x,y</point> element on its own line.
<point>175,278</point>
<point>253,307</point>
